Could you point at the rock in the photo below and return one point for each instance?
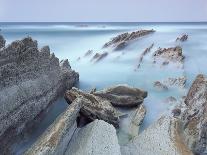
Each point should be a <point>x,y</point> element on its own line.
<point>122,40</point>
<point>183,38</point>
<point>171,99</point>
<point>96,138</point>
<point>89,52</point>
<point>137,120</point>
<point>30,79</point>
<point>65,64</point>
<point>2,42</point>
<point>178,82</point>
<point>160,86</point>
<point>97,57</point>
<point>195,116</point>
<point>55,139</point>
<point>176,112</point>
<point>161,138</point>
<point>123,95</point>
<point>173,54</point>
<point>95,107</point>
<point>146,51</point>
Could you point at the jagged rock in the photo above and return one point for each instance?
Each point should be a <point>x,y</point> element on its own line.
<point>2,42</point>
<point>146,51</point>
<point>30,79</point>
<point>97,57</point>
<point>161,138</point>
<point>195,116</point>
<point>182,38</point>
<point>176,112</point>
<point>122,40</point>
<point>65,64</point>
<point>123,95</point>
<point>137,120</point>
<point>178,82</point>
<point>173,54</point>
<point>160,86</point>
<point>97,138</point>
<point>89,52</point>
<point>55,140</point>
<point>95,107</point>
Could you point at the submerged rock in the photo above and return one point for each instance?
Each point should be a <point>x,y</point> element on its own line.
<point>183,38</point>
<point>55,140</point>
<point>97,57</point>
<point>195,116</point>
<point>30,79</point>
<point>178,82</point>
<point>123,95</point>
<point>89,52</point>
<point>121,41</point>
<point>160,86</point>
<point>96,138</point>
<point>94,107</point>
<point>173,54</point>
<point>2,42</point>
<point>161,138</point>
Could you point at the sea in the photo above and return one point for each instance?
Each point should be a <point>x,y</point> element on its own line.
<point>72,40</point>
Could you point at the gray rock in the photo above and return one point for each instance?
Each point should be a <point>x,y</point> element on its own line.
<point>161,138</point>
<point>30,79</point>
<point>98,57</point>
<point>160,86</point>
<point>176,82</point>
<point>123,95</point>
<point>195,116</point>
<point>94,107</point>
<point>55,140</point>
<point>122,40</point>
<point>183,38</point>
<point>88,53</point>
<point>97,138</point>
<point>2,42</point>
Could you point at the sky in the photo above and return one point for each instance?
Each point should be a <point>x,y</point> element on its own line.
<point>103,10</point>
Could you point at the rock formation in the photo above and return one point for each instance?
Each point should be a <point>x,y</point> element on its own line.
<point>96,138</point>
<point>121,41</point>
<point>30,79</point>
<point>97,57</point>
<point>2,42</point>
<point>163,138</point>
<point>183,38</point>
<point>160,86</point>
<point>89,52</point>
<point>166,55</point>
<point>195,116</point>
<point>177,82</point>
<point>146,51</point>
<point>55,139</point>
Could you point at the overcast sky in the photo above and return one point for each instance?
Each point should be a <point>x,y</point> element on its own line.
<point>103,10</point>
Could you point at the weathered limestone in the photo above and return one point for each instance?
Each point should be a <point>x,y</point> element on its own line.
<point>96,138</point>
<point>94,107</point>
<point>195,116</point>
<point>166,55</point>
<point>121,41</point>
<point>161,138</point>
<point>182,38</point>
<point>30,79</point>
<point>55,140</point>
<point>123,95</point>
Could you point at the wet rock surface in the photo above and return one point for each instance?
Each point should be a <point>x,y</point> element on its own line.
<point>182,38</point>
<point>195,116</point>
<point>2,41</point>
<point>98,57</point>
<point>121,41</point>
<point>30,79</point>
<point>176,82</point>
<point>160,86</point>
<point>166,55</point>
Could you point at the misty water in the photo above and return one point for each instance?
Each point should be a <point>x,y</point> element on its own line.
<point>73,40</point>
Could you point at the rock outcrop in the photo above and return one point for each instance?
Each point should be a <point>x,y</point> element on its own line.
<point>167,55</point>
<point>94,107</point>
<point>121,41</point>
<point>163,138</point>
<point>195,116</point>
<point>30,79</point>
<point>2,42</point>
<point>183,38</point>
<point>96,138</point>
<point>98,57</point>
<point>160,86</point>
<point>123,95</point>
<point>176,82</point>
<point>55,139</point>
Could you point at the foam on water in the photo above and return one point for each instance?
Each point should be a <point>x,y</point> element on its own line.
<point>74,40</point>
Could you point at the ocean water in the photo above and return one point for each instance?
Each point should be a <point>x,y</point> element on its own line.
<point>73,40</point>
